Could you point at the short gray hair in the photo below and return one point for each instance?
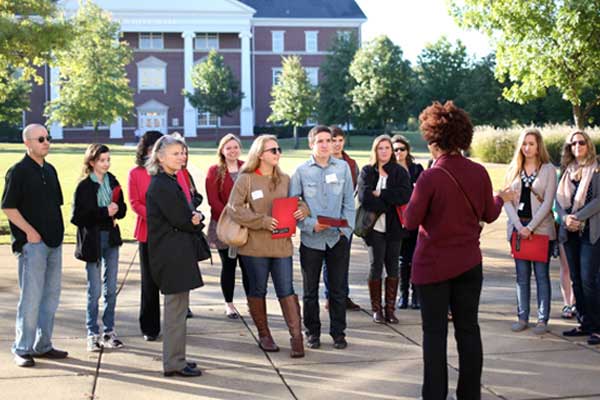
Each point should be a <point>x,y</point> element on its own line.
<point>153,164</point>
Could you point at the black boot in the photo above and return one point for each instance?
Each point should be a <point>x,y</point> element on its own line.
<point>404,283</point>
<point>415,304</point>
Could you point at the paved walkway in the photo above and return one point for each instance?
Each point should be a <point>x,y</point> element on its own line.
<point>381,362</point>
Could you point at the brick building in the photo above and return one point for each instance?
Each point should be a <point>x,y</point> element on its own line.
<point>168,38</point>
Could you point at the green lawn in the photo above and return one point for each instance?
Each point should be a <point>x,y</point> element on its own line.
<point>68,158</point>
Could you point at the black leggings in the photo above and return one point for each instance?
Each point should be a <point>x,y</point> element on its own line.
<point>228,275</point>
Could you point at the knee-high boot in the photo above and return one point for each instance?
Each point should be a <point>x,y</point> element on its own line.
<point>258,311</point>
<point>291,314</point>
<point>391,290</point>
<point>375,294</point>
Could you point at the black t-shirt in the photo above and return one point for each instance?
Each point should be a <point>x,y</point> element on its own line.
<point>34,190</point>
<point>525,202</point>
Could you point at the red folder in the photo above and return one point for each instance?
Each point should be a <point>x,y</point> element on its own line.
<point>534,248</point>
<point>400,210</point>
<point>283,211</point>
<point>333,222</point>
<point>116,193</point>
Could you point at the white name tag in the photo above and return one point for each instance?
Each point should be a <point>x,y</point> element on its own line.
<point>257,194</point>
<point>521,206</point>
<point>331,178</point>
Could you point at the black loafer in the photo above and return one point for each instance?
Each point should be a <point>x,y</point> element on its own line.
<point>25,360</point>
<point>187,372</point>
<point>151,338</point>
<point>575,332</point>
<point>190,314</point>
<point>54,354</point>
<point>233,315</point>
<point>313,342</point>
<point>340,343</point>
<point>594,339</point>
<point>191,364</point>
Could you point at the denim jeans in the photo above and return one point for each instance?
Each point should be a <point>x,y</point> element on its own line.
<point>462,295</point>
<point>109,258</point>
<point>311,261</point>
<point>544,291</point>
<point>40,270</point>
<point>258,270</point>
<point>584,263</point>
<point>346,283</point>
<point>383,252</point>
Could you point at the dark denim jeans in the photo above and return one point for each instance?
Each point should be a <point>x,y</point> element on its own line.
<point>462,295</point>
<point>584,263</point>
<point>258,270</point>
<point>544,289</point>
<point>311,261</point>
<point>383,252</point>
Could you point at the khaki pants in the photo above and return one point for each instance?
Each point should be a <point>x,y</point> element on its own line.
<point>175,330</point>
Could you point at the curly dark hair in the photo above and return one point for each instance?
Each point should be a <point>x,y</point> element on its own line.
<point>146,142</point>
<point>446,125</point>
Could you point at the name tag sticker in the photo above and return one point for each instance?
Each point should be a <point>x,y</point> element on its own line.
<point>257,194</point>
<point>521,206</point>
<point>331,178</point>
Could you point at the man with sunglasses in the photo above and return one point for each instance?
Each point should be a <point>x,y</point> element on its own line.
<point>325,184</point>
<point>31,200</point>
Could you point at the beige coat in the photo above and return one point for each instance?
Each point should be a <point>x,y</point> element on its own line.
<point>542,221</point>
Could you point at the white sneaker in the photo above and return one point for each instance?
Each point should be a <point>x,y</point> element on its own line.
<point>93,343</point>
<point>111,341</point>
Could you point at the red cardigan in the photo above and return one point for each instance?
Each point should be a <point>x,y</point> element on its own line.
<point>138,183</point>
<point>448,241</point>
<point>217,196</point>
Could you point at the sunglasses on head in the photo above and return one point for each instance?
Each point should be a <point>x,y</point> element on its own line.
<point>41,139</point>
<point>399,149</point>
<point>578,142</point>
<point>273,150</point>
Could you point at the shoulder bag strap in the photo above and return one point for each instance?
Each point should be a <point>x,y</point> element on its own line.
<point>461,190</point>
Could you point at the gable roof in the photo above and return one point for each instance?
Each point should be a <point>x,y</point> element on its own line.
<point>347,9</point>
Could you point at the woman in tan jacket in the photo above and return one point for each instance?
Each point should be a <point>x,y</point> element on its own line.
<point>260,182</point>
<point>533,178</point>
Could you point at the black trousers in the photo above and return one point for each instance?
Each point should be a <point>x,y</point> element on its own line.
<point>228,274</point>
<point>462,295</point>
<point>311,261</point>
<point>150,303</point>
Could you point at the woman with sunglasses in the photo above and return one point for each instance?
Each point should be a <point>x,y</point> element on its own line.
<point>578,206</point>
<point>533,178</point>
<point>260,182</point>
<point>406,160</point>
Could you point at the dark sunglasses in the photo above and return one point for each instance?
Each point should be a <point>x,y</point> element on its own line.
<point>578,142</point>
<point>41,139</point>
<point>399,149</point>
<point>273,150</point>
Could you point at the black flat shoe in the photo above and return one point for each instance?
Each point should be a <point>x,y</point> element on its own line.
<point>340,343</point>
<point>54,354</point>
<point>191,364</point>
<point>233,315</point>
<point>187,372</point>
<point>190,314</point>
<point>594,339</point>
<point>25,360</point>
<point>151,338</point>
<point>575,332</point>
<point>313,342</point>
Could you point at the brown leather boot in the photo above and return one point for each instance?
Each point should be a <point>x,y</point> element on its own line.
<point>375,294</point>
<point>391,290</point>
<point>291,314</point>
<point>258,311</point>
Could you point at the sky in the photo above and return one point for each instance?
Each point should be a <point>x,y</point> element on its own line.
<point>412,24</point>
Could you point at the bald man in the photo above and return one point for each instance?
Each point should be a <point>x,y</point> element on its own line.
<point>31,200</point>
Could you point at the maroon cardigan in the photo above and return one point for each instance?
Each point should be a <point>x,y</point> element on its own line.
<point>217,196</point>
<point>448,241</point>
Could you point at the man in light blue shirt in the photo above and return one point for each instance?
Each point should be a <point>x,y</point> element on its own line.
<point>324,183</point>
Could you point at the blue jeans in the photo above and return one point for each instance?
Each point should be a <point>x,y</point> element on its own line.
<point>109,258</point>
<point>542,280</point>
<point>258,270</point>
<point>40,271</point>
<point>325,274</point>
<point>584,263</point>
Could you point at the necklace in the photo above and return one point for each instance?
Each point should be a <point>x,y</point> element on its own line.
<point>528,179</point>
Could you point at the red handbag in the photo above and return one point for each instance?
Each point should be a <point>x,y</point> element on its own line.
<point>534,248</point>
<point>400,210</point>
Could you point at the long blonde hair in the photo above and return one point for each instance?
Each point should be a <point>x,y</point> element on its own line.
<point>253,161</point>
<point>221,163</point>
<point>568,157</point>
<point>381,138</point>
<point>518,160</point>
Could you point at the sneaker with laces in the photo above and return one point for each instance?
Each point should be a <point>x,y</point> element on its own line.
<point>111,340</point>
<point>93,343</point>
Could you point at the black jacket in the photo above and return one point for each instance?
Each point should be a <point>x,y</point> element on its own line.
<point>397,192</point>
<point>175,245</point>
<point>90,219</point>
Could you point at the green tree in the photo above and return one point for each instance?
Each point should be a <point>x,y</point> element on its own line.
<point>29,31</point>
<point>94,87</point>
<point>16,100</point>
<point>294,98</point>
<point>216,90</point>
<point>542,44</point>
<point>335,104</point>
<point>381,94</point>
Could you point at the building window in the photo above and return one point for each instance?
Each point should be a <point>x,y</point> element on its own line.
<point>313,75</point>
<point>310,38</point>
<point>152,74</point>
<point>206,119</point>
<point>277,41</point>
<point>152,115</point>
<point>344,35</point>
<point>207,41</point>
<point>275,77</point>
<point>152,40</point>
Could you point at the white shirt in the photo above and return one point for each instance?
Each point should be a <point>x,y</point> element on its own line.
<point>380,223</point>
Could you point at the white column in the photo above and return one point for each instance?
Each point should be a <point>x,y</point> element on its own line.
<point>116,129</point>
<point>56,129</point>
<point>246,112</point>
<point>189,113</point>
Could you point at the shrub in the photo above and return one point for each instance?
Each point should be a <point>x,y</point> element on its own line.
<point>9,134</point>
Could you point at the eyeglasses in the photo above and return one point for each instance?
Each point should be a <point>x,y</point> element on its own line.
<point>399,149</point>
<point>42,139</point>
<point>578,142</point>
<point>273,150</point>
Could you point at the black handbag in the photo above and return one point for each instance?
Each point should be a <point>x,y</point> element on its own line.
<point>365,220</point>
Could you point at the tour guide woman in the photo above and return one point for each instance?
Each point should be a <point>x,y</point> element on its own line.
<point>447,204</point>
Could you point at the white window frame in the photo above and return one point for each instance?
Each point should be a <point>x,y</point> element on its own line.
<point>153,106</point>
<point>151,63</point>
<point>155,40</point>
<point>277,41</point>
<point>344,34</point>
<point>208,117</point>
<point>202,41</point>
<point>309,73</point>
<point>311,40</point>
<point>275,72</point>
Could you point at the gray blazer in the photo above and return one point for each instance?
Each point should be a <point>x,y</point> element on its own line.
<point>590,213</point>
